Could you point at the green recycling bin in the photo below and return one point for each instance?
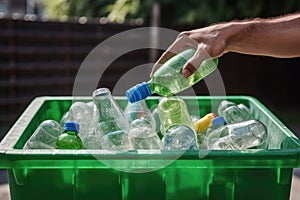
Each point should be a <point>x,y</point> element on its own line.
<point>148,174</point>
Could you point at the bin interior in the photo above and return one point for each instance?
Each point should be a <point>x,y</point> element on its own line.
<point>280,137</point>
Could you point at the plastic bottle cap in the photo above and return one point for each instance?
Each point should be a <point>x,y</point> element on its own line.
<point>139,92</point>
<point>213,115</point>
<point>218,120</point>
<point>71,126</point>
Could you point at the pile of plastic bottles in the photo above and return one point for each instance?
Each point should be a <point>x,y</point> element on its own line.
<point>102,124</point>
<point>233,129</point>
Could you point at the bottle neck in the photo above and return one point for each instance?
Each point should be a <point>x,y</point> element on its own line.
<point>104,103</point>
<point>102,96</point>
<point>71,132</point>
<point>139,92</point>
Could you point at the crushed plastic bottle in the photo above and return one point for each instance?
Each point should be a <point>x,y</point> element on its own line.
<point>156,119</point>
<point>110,121</point>
<point>82,113</point>
<point>217,122</point>
<point>92,141</point>
<point>238,136</point>
<point>233,113</point>
<point>44,137</point>
<point>142,126</point>
<point>139,110</point>
<point>179,137</point>
<point>144,137</point>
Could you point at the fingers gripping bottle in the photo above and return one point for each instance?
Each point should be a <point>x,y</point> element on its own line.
<point>168,79</point>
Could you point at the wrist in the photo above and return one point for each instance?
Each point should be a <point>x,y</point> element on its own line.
<point>237,34</point>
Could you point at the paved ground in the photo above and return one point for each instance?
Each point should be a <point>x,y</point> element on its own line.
<point>295,188</point>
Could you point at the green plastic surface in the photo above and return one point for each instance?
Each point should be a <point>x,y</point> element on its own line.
<point>214,175</point>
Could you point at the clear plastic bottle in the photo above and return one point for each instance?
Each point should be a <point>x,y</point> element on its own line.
<point>195,118</point>
<point>233,113</point>
<point>92,141</point>
<point>139,110</point>
<point>110,121</point>
<point>217,122</point>
<point>142,126</point>
<point>81,113</point>
<point>244,109</point>
<point>168,80</point>
<point>238,136</point>
<point>44,137</point>
<point>156,119</point>
<point>69,139</point>
<point>144,137</point>
<point>179,137</point>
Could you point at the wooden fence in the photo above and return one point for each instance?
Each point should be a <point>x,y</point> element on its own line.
<point>42,58</point>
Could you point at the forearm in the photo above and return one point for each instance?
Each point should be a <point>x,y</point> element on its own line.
<point>278,37</point>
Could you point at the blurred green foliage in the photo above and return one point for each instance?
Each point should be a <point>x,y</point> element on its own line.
<point>187,12</point>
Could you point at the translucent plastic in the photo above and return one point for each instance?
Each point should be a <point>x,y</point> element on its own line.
<point>45,136</point>
<point>81,113</point>
<point>179,137</point>
<point>233,113</point>
<point>217,122</point>
<point>238,136</point>
<point>173,111</point>
<point>110,120</point>
<point>139,110</point>
<point>168,79</point>
<point>142,131</point>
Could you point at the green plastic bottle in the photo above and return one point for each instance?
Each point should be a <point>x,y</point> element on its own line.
<point>69,139</point>
<point>168,79</point>
<point>176,125</point>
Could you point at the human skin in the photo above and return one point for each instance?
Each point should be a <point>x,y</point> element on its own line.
<point>275,37</point>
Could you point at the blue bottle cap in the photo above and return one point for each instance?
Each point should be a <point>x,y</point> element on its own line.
<point>139,92</point>
<point>71,126</point>
<point>218,120</point>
